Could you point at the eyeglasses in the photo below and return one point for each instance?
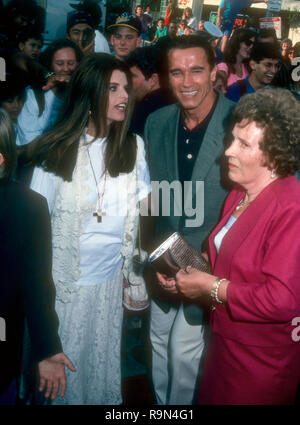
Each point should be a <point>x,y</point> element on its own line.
<point>249,42</point>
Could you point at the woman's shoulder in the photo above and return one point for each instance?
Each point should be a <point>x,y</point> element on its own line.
<point>287,191</point>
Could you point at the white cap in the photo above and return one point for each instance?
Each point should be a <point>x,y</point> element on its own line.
<point>213,29</point>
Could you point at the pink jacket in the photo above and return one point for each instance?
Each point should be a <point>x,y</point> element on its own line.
<point>260,255</point>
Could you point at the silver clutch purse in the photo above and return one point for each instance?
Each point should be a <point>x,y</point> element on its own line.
<point>176,253</point>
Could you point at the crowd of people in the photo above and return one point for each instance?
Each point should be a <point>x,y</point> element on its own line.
<point>86,124</point>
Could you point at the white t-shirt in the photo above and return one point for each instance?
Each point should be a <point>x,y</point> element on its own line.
<point>30,125</point>
<point>100,243</point>
<point>101,44</point>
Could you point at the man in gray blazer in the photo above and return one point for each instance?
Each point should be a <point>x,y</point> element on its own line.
<point>185,143</point>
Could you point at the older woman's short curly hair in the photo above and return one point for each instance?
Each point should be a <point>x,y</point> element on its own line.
<point>278,112</point>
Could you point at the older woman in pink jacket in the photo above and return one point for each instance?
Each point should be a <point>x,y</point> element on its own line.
<point>253,356</point>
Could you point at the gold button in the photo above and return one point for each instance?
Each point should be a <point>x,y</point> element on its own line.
<point>189,156</point>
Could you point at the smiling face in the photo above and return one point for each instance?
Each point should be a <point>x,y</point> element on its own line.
<point>246,161</point>
<point>191,77</point>
<point>246,48</point>
<point>265,70</point>
<point>118,97</point>
<point>64,61</point>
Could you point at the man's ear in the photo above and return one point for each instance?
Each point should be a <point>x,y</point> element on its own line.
<point>252,64</point>
<point>1,159</point>
<point>213,74</point>
<point>21,46</point>
<point>154,80</point>
<point>139,41</point>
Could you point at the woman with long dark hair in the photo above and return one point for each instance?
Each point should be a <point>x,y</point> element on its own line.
<point>236,55</point>
<point>93,172</point>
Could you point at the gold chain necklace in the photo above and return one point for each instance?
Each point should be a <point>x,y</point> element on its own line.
<point>243,204</point>
<point>99,213</point>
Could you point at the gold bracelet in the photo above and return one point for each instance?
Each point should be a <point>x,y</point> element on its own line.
<point>215,289</point>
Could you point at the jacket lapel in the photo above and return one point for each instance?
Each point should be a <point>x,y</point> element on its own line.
<point>211,148</point>
<point>242,227</point>
<point>171,146</point>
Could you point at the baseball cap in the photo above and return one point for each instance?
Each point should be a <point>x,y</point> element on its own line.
<point>129,21</point>
<point>79,17</point>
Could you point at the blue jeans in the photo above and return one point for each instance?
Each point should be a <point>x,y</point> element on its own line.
<point>227,27</point>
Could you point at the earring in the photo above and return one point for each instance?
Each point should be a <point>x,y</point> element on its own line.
<point>273,174</point>
<point>90,112</point>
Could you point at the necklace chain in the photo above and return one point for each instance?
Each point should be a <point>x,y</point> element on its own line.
<point>243,204</point>
<point>98,213</point>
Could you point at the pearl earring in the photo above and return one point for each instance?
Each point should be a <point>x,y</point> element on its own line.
<point>273,174</point>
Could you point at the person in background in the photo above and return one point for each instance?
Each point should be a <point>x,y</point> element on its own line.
<point>26,284</point>
<point>227,11</point>
<point>93,173</point>
<point>190,19</point>
<point>30,43</point>
<point>150,94</point>
<point>253,355</point>
<point>201,25</point>
<point>182,27</point>
<point>266,35</point>
<point>145,20</point>
<point>12,96</point>
<point>125,35</point>
<point>85,32</point>
<point>170,12</point>
<point>17,16</point>
<point>41,108</point>
<point>161,30</point>
<point>236,55</point>
<point>286,45</point>
<point>264,63</point>
<point>172,32</point>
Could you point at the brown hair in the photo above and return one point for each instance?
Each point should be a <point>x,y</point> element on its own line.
<point>278,112</point>
<point>87,96</point>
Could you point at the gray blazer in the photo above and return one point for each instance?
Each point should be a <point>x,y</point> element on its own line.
<point>161,137</point>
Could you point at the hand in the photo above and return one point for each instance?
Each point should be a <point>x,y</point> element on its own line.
<point>52,375</point>
<point>168,284</point>
<point>54,79</point>
<point>194,284</point>
<point>219,22</point>
<point>90,48</point>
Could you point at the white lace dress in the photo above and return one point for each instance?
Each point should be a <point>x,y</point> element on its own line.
<point>87,270</point>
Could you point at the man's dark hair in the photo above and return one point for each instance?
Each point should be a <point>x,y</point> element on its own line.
<point>146,59</point>
<point>190,41</point>
<point>261,51</point>
<point>266,33</point>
